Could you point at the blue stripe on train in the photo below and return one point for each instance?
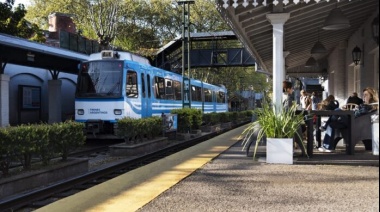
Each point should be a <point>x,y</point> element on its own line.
<point>99,100</point>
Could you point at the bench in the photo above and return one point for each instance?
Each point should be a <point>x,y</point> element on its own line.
<point>358,129</point>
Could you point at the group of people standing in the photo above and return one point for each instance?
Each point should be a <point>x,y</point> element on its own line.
<point>308,102</point>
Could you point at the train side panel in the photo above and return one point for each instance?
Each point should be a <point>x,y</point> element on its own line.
<point>117,85</point>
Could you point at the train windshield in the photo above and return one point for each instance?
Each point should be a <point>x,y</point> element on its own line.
<point>100,79</point>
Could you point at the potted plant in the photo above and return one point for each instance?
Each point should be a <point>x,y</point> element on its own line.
<point>279,127</point>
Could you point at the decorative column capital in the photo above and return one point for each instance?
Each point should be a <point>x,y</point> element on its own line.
<point>278,18</point>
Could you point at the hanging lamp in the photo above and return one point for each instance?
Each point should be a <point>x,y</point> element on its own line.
<point>336,20</point>
<point>311,62</point>
<point>318,47</point>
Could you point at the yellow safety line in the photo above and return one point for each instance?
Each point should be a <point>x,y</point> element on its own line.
<point>133,190</point>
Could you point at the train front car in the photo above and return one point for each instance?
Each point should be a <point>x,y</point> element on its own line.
<point>99,100</point>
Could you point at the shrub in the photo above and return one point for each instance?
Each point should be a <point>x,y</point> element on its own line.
<point>155,128</point>
<point>5,152</point>
<point>224,117</point>
<point>44,146</point>
<point>126,129</point>
<point>134,130</point>
<point>249,113</point>
<point>206,119</point>
<point>188,119</point>
<point>66,136</point>
<point>24,141</point>
<point>215,118</point>
<point>235,116</point>
<point>197,119</point>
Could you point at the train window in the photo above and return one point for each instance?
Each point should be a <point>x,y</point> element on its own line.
<point>221,97</point>
<point>159,87</point>
<point>169,90</point>
<point>149,88</point>
<point>143,85</point>
<point>196,93</point>
<point>168,83</point>
<point>177,90</point>
<point>131,87</point>
<point>208,95</point>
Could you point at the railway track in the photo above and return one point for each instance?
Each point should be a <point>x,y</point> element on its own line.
<point>47,195</point>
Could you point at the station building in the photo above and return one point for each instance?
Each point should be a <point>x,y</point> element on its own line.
<point>37,81</point>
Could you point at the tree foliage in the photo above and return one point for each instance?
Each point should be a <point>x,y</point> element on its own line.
<point>12,22</point>
<point>131,24</point>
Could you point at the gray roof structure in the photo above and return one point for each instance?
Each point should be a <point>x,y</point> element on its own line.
<point>177,42</point>
<point>20,51</point>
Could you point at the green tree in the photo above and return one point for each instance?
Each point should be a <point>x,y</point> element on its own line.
<point>135,25</point>
<point>12,22</point>
<point>97,19</point>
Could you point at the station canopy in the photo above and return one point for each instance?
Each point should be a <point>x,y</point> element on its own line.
<point>18,51</point>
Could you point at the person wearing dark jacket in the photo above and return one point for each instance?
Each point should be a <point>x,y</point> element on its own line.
<point>288,99</point>
<point>354,99</point>
<point>287,103</point>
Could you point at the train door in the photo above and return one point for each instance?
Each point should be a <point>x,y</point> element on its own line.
<point>133,94</point>
<point>148,101</point>
<point>146,94</point>
<point>143,95</point>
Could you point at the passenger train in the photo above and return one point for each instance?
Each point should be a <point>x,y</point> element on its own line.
<point>113,85</point>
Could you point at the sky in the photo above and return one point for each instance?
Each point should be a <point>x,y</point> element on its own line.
<point>25,2</point>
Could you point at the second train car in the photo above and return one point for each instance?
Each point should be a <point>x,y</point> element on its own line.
<point>113,85</point>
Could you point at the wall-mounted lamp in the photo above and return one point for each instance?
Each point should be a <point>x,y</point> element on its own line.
<point>356,55</point>
<point>375,29</point>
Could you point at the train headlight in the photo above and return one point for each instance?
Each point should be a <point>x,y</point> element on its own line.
<point>80,112</point>
<point>117,112</point>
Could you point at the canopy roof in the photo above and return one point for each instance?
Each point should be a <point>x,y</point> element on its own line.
<point>20,51</point>
<point>301,31</point>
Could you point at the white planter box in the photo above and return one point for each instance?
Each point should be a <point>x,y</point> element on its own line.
<point>280,150</point>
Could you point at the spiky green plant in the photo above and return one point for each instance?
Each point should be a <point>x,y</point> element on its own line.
<point>273,124</point>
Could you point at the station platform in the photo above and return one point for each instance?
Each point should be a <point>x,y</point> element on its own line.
<point>218,176</point>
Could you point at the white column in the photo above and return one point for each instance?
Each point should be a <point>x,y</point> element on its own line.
<point>55,110</point>
<point>278,20</point>
<point>4,100</point>
<point>286,53</point>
